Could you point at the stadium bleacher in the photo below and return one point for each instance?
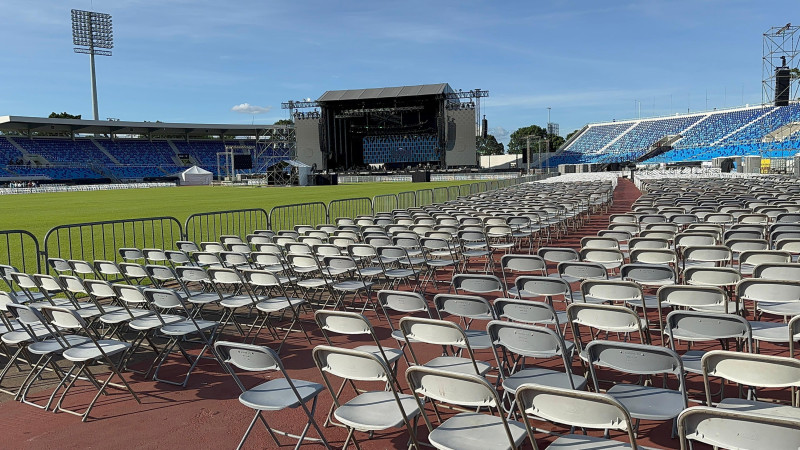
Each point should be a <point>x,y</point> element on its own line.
<point>702,137</point>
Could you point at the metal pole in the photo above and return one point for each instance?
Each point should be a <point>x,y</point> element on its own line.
<point>528,151</point>
<point>91,65</point>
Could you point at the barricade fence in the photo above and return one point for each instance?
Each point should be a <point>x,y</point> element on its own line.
<point>209,226</point>
<point>20,249</point>
<point>350,208</point>
<point>101,240</point>
<point>285,217</point>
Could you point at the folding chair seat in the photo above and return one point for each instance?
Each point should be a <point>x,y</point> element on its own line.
<point>153,256</point>
<point>51,286</point>
<point>649,275</point>
<point>207,259</point>
<point>517,342</point>
<point>59,265</point>
<point>654,256</point>
<point>353,324</point>
<point>520,265</point>
<point>348,280</point>
<point>212,247</point>
<point>365,254</point>
<point>530,287</point>
<point>197,287</point>
<point>17,335</point>
<point>474,245</point>
<point>479,284</point>
<point>35,294</point>
<point>145,325</point>
<point>235,260</point>
<point>751,258</point>
<point>465,430</point>
<point>776,297</point>
<point>724,277</point>
<point>368,411</point>
<point>467,308</point>
<point>616,292</point>
<point>406,303</point>
<point>239,248</point>
<point>132,254</point>
<point>399,266</point>
<point>82,268</point>
<point>263,284</point>
<point>450,336</point>
<point>777,271</point>
<point>754,371</point>
<point>438,254</point>
<point>576,408</point>
<point>558,254</point>
<point>44,343</point>
<point>74,288</point>
<point>298,248</point>
<point>228,239</point>
<point>179,328</point>
<point>500,237</point>
<point>178,258</point>
<point>276,394</point>
<point>599,242</point>
<point>707,256</point>
<point>610,258</point>
<point>108,270</point>
<point>641,401</point>
<point>734,429</point>
<point>696,326</point>
<point>606,319</point>
<point>84,355</point>
<point>115,317</point>
<point>255,239</point>
<point>236,295</point>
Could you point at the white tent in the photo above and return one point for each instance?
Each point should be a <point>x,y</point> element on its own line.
<point>196,176</point>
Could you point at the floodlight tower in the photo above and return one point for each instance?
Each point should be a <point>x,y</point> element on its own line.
<point>93,35</point>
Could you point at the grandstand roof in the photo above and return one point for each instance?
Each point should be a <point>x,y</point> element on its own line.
<point>386,92</point>
<point>41,124</point>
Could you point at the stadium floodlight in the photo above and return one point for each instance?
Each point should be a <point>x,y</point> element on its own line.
<point>92,34</point>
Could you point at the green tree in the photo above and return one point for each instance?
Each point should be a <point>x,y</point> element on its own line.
<point>518,142</point>
<point>571,134</point>
<point>489,145</point>
<point>284,122</point>
<point>63,115</point>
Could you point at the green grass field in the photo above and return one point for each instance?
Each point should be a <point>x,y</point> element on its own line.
<point>38,213</point>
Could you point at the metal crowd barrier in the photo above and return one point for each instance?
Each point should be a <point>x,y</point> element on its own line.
<point>285,217</point>
<point>209,226</point>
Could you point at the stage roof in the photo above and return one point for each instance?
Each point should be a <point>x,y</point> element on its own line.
<point>386,92</point>
<point>41,124</point>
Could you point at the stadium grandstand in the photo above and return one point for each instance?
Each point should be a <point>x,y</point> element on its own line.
<point>763,130</point>
<point>89,151</point>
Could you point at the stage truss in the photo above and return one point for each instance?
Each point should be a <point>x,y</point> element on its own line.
<point>273,145</point>
<point>779,42</point>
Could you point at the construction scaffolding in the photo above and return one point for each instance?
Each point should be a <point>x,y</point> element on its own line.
<point>781,48</point>
<point>273,145</point>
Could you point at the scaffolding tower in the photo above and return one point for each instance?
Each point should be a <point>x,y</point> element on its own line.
<point>273,145</point>
<point>779,42</point>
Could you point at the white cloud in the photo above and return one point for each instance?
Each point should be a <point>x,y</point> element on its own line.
<point>499,132</point>
<point>247,108</point>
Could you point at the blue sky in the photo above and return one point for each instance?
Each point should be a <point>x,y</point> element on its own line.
<point>196,60</point>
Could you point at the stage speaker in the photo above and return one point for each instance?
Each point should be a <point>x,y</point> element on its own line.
<point>421,176</point>
<point>484,127</point>
<point>326,179</point>
<point>242,161</point>
<point>782,79</point>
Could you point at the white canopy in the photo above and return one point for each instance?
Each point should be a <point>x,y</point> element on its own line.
<point>196,176</point>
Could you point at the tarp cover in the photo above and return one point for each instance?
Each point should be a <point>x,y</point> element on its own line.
<point>196,176</point>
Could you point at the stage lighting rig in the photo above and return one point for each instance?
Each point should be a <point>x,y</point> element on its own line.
<point>92,34</point>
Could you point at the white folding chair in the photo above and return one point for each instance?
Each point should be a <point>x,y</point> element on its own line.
<point>465,430</point>
<point>277,394</point>
<point>369,410</point>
